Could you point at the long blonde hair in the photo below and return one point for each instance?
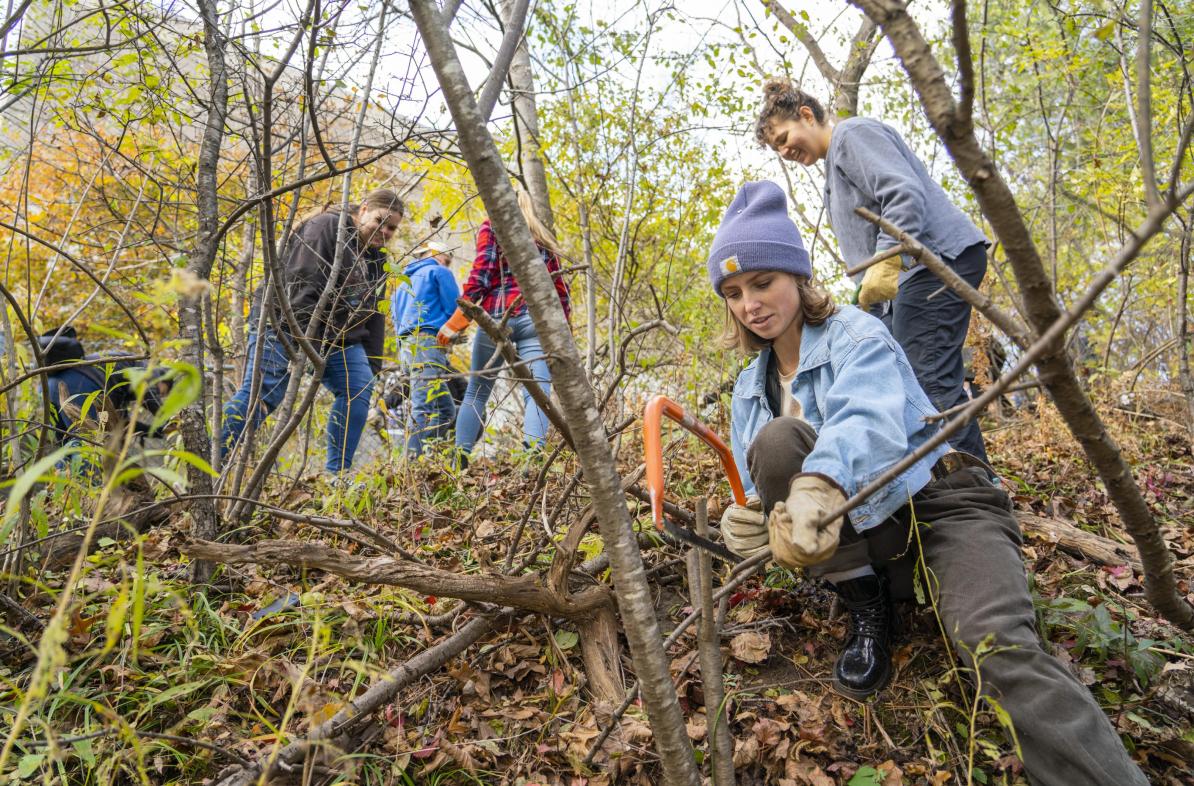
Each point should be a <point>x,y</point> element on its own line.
<point>542,235</point>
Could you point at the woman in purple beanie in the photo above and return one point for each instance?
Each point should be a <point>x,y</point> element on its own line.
<point>828,404</point>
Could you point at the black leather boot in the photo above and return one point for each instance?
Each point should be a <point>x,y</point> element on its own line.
<point>864,667</point>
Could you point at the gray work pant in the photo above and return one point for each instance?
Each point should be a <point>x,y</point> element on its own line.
<point>974,571</point>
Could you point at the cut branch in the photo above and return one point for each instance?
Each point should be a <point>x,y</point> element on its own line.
<point>520,592</point>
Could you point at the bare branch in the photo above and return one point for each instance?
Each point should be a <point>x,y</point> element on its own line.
<point>380,693</point>
<point>523,592</point>
<point>800,30</point>
<point>576,397</point>
<point>998,317</point>
<point>961,38</point>
<point>515,28</point>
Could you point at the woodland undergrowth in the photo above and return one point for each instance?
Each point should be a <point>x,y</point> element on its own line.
<point>165,684</point>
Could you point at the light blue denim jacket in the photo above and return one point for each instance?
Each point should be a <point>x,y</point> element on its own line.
<point>859,393</point>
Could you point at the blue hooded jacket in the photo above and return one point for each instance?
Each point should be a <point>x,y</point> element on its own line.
<point>425,303</point>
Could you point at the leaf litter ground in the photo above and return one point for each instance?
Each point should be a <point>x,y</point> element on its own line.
<point>276,651</point>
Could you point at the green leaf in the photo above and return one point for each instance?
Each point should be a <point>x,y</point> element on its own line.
<point>84,751</point>
<point>173,693</point>
<point>114,625</point>
<point>187,386</point>
<point>23,484</point>
<point>29,764</point>
<point>566,639</point>
<point>866,776</point>
<point>201,714</point>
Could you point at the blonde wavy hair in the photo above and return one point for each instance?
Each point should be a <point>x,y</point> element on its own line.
<point>542,235</point>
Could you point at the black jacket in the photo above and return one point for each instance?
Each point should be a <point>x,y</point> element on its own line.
<point>352,317</point>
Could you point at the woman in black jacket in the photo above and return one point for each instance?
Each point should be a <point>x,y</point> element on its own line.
<point>349,331</point>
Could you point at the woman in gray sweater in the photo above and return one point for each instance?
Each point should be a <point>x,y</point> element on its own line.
<point>868,164</point>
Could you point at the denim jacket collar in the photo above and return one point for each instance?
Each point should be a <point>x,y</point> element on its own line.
<point>814,351</point>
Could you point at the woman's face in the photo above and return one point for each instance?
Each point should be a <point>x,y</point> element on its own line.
<point>765,302</point>
<point>376,225</point>
<point>802,139</point>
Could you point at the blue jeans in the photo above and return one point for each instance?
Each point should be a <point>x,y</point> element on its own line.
<point>431,407</point>
<point>480,385</point>
<point>347,375</point>
<point>932,333</point>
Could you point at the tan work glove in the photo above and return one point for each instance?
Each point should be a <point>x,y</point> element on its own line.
<point>796,540</point>
<point>744,529</point>
<point>881,282</point>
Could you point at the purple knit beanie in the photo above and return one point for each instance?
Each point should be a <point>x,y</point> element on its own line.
<point>756,234</point>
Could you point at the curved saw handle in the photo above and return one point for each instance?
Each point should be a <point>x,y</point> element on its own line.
<point>653,448</point>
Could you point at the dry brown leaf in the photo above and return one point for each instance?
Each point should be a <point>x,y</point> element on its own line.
<point>892,774</point>
<point>751,646</point>
<point>805,771</point>
<point>769,731</point>
<point>746,752</point>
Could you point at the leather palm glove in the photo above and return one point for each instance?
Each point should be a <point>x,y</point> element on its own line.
<point>455,325</point>
<point>796,540</point>
<point>881,282</point>
<point>743,528</point>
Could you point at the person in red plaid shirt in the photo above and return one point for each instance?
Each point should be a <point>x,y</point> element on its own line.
<point>491,285</point>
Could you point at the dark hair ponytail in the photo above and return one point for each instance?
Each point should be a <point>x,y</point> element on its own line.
<point>783,100</point>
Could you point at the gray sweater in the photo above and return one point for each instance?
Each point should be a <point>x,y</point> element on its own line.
<point>869,165</point>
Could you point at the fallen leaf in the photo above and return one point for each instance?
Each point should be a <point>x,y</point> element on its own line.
<point>769,731</point>
<point>751,646</point>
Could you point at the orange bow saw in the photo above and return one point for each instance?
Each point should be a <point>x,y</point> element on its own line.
<point>653,448</point>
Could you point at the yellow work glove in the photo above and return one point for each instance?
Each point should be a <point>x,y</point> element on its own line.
<point>796,540</point>
<point>881,282</point>
<point>456,324</point>
<point>744,529</point>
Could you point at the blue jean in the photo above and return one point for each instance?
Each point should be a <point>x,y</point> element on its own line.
<point>932,333</point>
<point>347,375</point>
<point>431,407</point>
<point>480,385</point>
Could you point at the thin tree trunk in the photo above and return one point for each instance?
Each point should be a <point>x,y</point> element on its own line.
<point>192,420</point>
<point>576,399</point>
<point>1185,342</point>
<point>526,115</point>
<point>953,124</point>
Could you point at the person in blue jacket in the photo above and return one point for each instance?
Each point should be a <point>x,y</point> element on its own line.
<point>868,164</point>
<point>421,306</point>
<point>828,404</point>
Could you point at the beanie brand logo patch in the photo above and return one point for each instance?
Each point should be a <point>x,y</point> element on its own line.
<point>729,265</point>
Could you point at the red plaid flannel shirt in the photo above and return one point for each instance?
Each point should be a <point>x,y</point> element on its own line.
<point>491,283</point>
